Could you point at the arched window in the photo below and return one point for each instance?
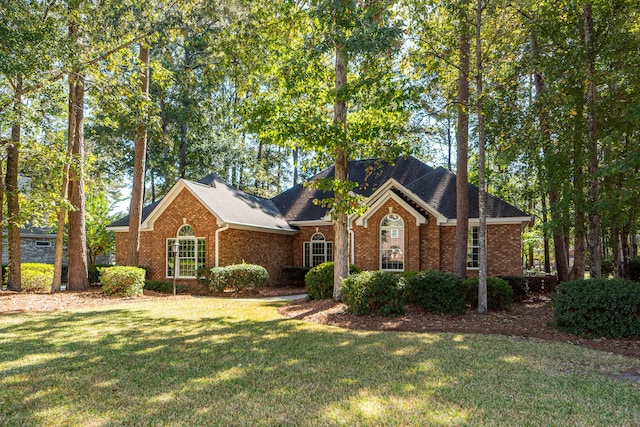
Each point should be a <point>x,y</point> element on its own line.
<point>191,253</point>
<point>317,250</point>
<point>392,243</point>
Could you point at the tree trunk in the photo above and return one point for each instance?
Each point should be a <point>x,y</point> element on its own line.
<point>137,192</point>
<point>462,137</point>
<point>296,151</point>
<point>14,280</point>
<point>482,196</point>
<point>64,193</point>
<point>545,237</point>
<point>341,239</point>
<point>595,245</point>
<point>2,192</point>
<point>78,276</point>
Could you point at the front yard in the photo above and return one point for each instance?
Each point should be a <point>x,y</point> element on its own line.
<point>209,361</point>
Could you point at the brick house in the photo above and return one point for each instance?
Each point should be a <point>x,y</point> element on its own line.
<point>409,225</point>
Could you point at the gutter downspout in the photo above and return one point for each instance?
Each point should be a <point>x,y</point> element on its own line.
<point>217,242</point>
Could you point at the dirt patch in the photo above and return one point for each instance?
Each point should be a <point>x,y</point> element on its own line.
<point>529,318</point>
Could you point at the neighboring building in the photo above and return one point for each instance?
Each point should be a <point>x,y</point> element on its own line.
<point>409,225</point>
<point>37,244</point>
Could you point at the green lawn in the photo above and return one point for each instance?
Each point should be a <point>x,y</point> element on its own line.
<point>205,361</point>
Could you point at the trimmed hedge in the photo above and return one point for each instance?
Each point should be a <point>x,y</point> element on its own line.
<point>236,277</point>
<point>36,277</point>
<point>294,275</point>
<point>122,281</point>
<point>598,308</point>
<point>499,293</point>
<point>164,287</point>
<point>519,284</point>
<point>319,280</point>
<point>94,272</point>
<point>436,292</point>
<point>376,292</point>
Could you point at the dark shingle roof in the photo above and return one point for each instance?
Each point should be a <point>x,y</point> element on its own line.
<point>228,203</point>
<point>438,189</point>
<point>296,204</point>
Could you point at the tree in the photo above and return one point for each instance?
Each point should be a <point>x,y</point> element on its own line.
<point>140,153</point>
<point>462,139</point>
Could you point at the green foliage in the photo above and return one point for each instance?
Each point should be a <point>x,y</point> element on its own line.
<point>437,292</point>
<point>294,275</point>
<point>634,269</point>
<point>319,280</point>
<point>36,277</point>
<point>519,284</point>
<point>598,308</point>
<point>164,287</point>
<point>607,266</point>
<point>373,292</point>
<point>122,281</point>
<point>94,272</point>
<point>235,277</point>
<point>499,293</point>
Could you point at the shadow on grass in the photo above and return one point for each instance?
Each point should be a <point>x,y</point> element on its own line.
<point>127,367</point>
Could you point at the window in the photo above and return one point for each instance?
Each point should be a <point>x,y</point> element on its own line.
<point>43,243</point>
<point>317,251</point>
<point>473,248</point>
<point>392,243</point>
<point>191,253</point>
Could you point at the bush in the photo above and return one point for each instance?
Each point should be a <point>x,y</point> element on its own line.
<point>236,277</point>
<point>36,277</point>
<point>375,292</point>
<point>319,280</point>
<point>94,272</point>
<point>164,287</point>
<point>598,308</point>
<point>499,293</point>
<point>607,266</point>
<point>122,281</point>
<point>634,269</point>
<point>519,284</point>
<point>294,275</point>
<point>437,292</point>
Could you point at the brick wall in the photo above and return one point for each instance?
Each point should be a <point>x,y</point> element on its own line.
<point>503,250</point>
<point>367,248</point>
<point>270,250</point>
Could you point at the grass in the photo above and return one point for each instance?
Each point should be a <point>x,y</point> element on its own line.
<point>206,361</point>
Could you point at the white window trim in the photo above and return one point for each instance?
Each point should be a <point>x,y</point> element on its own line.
<point>193,238</point>
<point>398,229</point>
<point>471,246</point>
<point>306,246</point>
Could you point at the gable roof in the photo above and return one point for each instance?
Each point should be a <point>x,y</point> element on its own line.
<point>296,204</point>
<point>435,188</point>
<point>228,204</point>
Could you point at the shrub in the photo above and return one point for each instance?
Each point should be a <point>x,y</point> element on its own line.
<point>373,292</point>
<point>164,287</point>
<point>634,269</point>
<point>598,308</point>
<point>319,280</point>
<point>36,277</point>
<point>437,292</point>
<point>94,272</point>
<point>519,284</point>
<point>122,281</point>
<point>499,293</point>
<point>294,275</point>
<point>607,266</point>
<point>236,277</point>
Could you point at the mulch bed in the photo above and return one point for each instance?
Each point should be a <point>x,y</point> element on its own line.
<point>529,318</point>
